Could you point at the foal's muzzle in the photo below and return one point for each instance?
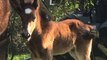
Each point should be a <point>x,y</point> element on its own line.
<point>25,35</point>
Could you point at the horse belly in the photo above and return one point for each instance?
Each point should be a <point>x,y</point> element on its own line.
<point>62,46</point>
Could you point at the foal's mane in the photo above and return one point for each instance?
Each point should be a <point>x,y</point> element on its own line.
<point>44,12</point>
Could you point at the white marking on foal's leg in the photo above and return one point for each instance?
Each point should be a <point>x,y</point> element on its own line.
<point>28,10</point>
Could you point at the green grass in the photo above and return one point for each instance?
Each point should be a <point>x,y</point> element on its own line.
<point>19,57</point>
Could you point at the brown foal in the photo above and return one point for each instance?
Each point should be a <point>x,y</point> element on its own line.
<point>47,38</point>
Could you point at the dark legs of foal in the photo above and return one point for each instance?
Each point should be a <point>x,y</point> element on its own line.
<point>46,55</point>
<point>63,57</point>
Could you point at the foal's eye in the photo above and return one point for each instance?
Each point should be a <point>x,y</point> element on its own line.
<point>33,17</point>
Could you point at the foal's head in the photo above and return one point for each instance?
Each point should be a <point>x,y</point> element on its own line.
<point>28,11</point>
<point>29,17</point>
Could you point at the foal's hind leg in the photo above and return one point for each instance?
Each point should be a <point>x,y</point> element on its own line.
<point>73,53</point>
<point>83,50</point>
<point>33,57</point>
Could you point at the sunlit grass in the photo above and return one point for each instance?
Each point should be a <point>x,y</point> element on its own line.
<point>19,57</point>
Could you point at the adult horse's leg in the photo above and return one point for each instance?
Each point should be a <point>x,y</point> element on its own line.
<point>4,43</point>
<point>4,52</point>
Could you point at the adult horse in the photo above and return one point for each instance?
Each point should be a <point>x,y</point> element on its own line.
<point>47,38</point>
<point>4,17</point>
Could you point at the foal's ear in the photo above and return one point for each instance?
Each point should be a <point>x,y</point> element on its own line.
<point>35,4</point>
<point>15,4</point>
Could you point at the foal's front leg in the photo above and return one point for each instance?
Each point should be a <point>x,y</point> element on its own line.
<point>46,51</point>
<point>46,54</point>
<point>47,48</point>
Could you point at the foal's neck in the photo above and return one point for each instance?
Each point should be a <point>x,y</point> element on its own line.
<point>42,20</point>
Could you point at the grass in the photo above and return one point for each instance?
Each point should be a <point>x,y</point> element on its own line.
<point>19,57</point>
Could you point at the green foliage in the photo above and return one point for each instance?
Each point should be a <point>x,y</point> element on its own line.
<point>17,43</point>
<point>19,57</point>
<point>62,9</point>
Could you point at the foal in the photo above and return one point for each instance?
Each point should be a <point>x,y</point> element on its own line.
<point>4,17</point>
<point>47,38</point>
